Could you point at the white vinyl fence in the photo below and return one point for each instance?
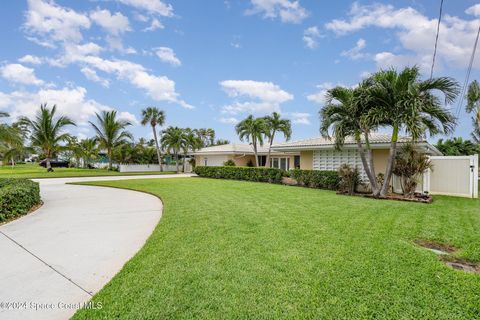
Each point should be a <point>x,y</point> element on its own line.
<point>451,175</point>
<point>151,167</point>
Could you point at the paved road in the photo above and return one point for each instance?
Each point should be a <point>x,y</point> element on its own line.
<point>57,257</point>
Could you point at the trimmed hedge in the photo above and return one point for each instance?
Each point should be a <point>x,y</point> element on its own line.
<point>270,175</point>
<point>316,179</point>
<point>17,197</point>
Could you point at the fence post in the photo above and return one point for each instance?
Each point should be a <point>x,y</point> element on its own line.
<point>474,175</point>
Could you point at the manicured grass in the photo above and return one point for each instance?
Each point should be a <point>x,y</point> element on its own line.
<point>34,171</point>
<point>242,250</point>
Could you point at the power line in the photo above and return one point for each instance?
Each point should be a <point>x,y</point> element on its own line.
<point>467,77</point>
<point>436,39</point>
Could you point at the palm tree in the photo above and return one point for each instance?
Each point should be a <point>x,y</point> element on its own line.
<point>155,117</point>
<point>404,102</point>
<point>473,105</point>
<point>89,150</point>
<point>274,124</point>
<point>46,131</point>
<point>206,135</point>
<point>252,130</point>
<point>111,132</point>
<point>345,113</point>
<point>173,141</point>
<point>191,143</point>
<point>220,142</point>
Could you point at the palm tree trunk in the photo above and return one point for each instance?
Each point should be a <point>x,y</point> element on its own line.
<point>391,160</point>
<point>176,160</point>
<point>184,159</point>
<point>366,168</point>
<point>48,164</point>
<point>267,163</point>
<point>109,154</point>
<point>255,151</point>
<point>159,155</point>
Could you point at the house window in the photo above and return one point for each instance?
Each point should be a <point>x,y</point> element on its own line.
<point>205,161</point>
<point>280,163</point>
<point>296,162</point>
<point>262,160</point>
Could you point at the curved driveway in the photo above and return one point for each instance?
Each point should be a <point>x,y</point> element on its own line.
<point>54,259</point>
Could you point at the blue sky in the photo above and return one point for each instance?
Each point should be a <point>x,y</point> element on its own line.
<point>211,63</point>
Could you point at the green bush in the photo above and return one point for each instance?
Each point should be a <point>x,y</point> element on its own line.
<point>316,178</point>
<point>229,163</point>
<point>270,175</point>
<point>17,197</point>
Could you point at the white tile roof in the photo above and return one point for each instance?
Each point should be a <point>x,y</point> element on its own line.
<point>232,148</point>
<point>375,138</point>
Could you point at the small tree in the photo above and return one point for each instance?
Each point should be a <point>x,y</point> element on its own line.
<point>349,179</point>
<point>274,124</point>
<point>409,166</point>
<point>252,130</point>
<point>46,131</point>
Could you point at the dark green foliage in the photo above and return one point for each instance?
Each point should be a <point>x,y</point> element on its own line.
<point>17,197</point>
<point>229,163</point>
<point>316,178</point>
<point>271,175</point>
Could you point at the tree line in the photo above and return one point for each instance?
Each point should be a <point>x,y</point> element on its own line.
<point>46,134</point>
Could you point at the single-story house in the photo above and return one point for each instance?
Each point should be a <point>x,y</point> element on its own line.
<point>320,153</point>
<point>242,155</point>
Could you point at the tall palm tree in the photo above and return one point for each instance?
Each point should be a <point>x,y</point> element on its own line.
<point>46,131</point>
<point>173,140</point>
<point>154,117</point>
<point>111,132</point>
<point>473,105</point>
<point>252,130</point>
<point>273,124</point>
<point>405,102</point>
<point>206,135</point>
<point>345,113</point>
<point>191,143</point>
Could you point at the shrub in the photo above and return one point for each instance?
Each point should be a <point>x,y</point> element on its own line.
<point>229,163</point>
<point>316,178</point>
<point>271,175</point>
<point>349,179</point>
<point>17,197</point>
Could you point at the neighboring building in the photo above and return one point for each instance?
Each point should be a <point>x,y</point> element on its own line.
<point>242,155</point>
<point>320,153</point>
<point>311,154</point>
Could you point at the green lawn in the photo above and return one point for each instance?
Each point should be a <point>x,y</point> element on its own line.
<point>241,250</point>
<point>34,171</point>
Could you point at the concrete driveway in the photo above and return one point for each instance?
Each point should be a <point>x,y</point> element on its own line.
<point>54,259</point>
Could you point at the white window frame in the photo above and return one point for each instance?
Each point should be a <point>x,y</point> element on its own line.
<point>279,161</point>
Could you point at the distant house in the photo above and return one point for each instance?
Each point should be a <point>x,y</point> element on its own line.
<point>310,154</point>
<point>320,153</point>
<point>243,155</point>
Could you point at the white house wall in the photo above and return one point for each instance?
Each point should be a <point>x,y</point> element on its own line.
<point>333,159</point>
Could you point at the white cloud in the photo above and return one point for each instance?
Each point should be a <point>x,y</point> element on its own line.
<point>319,97</point>
<point>311,36</point>
<point>474,10</point>
<point>115,24</point>
<point>125,115</point>
<point>70,101</point>
<point>167,55</point>
<point>92,75</point>
<point>229,120</point>
<point>48,20</point>
<point>154,25</point>
<point>16,72</point>
<point>267,97</point>
<point>356,52</point>
<point>416,34</point>
<point>157,7</point>
<point>299,117</point>
<point>30,59</point>
<point>287,10</point>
